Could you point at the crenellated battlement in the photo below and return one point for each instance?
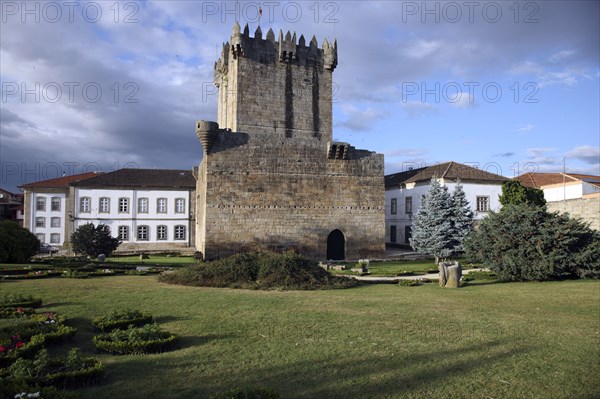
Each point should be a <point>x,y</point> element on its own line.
<point>286,49</point>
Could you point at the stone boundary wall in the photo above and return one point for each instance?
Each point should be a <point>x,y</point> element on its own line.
<point>587,209</point>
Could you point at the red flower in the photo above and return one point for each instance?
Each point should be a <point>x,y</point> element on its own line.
<point>2,349</point>
<point>20,310</point>
<point>19,344</point>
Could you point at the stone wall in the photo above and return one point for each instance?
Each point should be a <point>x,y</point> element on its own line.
<point>587,209</point>
<point>260,191</point>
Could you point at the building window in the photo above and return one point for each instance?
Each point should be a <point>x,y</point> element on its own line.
<point>124,233</point>
<point>483,204</point>
<point>55,204</point>
<point>40,222</point>
<point>40,204</point>
<point>408,205</point>
<point>55,222</point>
<point>407,234</point>
<point>54,238</point>
<point>84,204</point>
<point>123,205</point>
<point>392,233</point>
<point>161,232</point>
<point>394,206</point>
<point>161,205</point>
<point>179,205</point>
<point>104,205</point>
<point>41,237</point>
<point>180,232</point>
<point>142,205</point>
<point>142,233</point>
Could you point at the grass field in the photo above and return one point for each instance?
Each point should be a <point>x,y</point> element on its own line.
<point>502,340</point>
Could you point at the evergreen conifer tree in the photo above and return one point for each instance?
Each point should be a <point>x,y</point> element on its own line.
<point>432,229</point>
<point>462,219</point>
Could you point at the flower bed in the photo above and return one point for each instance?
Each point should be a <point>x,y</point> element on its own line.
<point>146,339</point>
<point>31,335</point>
<point>72,371</point>
<point>120,319</point>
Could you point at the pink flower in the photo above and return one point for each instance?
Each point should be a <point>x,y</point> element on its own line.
<point>2,348</point>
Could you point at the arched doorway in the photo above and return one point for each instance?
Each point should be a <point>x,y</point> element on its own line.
<point>336,245</point>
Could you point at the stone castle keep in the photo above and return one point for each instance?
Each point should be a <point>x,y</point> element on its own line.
<point>271,176</point>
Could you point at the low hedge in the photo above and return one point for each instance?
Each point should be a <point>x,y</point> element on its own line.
<point>72,371</point>
<point>133,341</point>
<point>120,319</point>
<point>19,300</point>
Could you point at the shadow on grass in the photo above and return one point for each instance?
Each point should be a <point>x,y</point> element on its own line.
<point>58,304</point>
<point>168,319</point>
<point>336,376</point>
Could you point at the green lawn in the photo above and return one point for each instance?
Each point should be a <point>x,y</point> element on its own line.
<point>511,340</point>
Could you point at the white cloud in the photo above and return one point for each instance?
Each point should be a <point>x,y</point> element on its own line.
<point>422,48</point>
<point>561,55</point>
<point>524,129</point>
<point>585,153</point>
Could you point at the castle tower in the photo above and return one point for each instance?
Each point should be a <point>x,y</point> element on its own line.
<point>281,87</point>
<point>271,177</point>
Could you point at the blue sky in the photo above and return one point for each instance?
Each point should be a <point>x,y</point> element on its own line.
<point>507,86</point>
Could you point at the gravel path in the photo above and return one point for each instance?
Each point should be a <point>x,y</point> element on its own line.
<point>430,276</point>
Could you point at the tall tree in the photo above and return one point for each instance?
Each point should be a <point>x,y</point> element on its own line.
<point>513,192</point>
<point>433,227</point>
<point>93,240</point>
<point>462,218</point>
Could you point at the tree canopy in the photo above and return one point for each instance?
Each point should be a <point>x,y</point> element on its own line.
<point>442,222</point>
<point>513,192</point>
<point>93,240</point>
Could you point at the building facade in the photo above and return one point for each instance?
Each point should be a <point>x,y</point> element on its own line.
<point>45,206</point>
<point>271,177</point>
<point>11,206</point>
<point>403,192</point>
<point>147,209</point>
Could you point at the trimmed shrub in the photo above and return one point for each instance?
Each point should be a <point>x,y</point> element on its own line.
<point>72,371</point>
<point>146,339</point>
<point>19,300</point>
<point>248,393</point>
<point>525,242</point>
<point>122,319</point>
<point>265,271</point>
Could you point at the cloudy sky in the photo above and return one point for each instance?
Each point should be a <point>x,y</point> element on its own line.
<point>506,86</point>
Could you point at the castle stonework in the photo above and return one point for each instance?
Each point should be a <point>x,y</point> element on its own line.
<point>271,177</point>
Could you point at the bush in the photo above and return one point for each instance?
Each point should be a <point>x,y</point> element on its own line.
<point>74,274</point>
<point>19,300</point>
<point>265,270</point>
<point>525,242</point>
<point>93,240</point>
<point>480,275</point>
<point>409,283</point>
<point>248,393</point>
<point>17,244</point>
<point>121,319</point>
<point>146,339</point>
